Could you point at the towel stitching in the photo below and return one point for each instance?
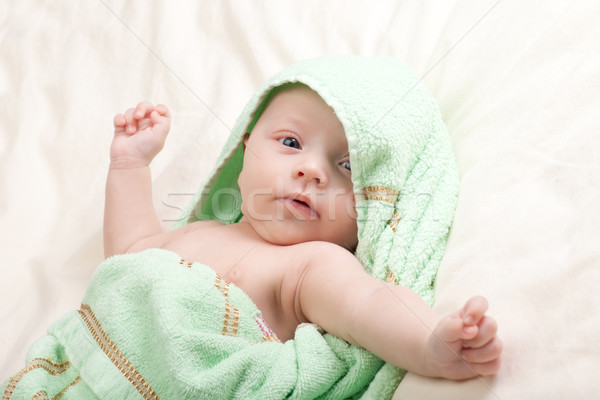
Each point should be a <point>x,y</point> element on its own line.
<point>231,318</point>
<point>52,368</point>
<point>380,193</point>
<point>268,334</point>
<point>43,395</point>
<point>395,221</point>
<point>391,278</point>
<point>115,355</point>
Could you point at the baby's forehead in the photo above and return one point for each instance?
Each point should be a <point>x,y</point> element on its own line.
<point>303,103</point>
<point>290,91</point>
<point>297,97</point>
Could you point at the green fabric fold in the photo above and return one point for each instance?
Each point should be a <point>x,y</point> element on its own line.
<point>152,326</point>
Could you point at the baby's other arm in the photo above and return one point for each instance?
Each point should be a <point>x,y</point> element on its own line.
<point>129,214</point>
<point>392,322</point>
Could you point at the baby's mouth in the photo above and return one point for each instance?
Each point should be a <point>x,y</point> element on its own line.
<point>300,206</point>
<point>302,203</point>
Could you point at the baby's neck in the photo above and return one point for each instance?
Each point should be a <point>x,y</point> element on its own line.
<point>244,230</point>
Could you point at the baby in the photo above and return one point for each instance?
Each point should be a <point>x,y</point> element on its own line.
<point>297,232</point>
<point>264,298</point>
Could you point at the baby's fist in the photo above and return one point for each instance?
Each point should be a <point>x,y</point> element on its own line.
<point>140,133</point>
<point>465,344</point>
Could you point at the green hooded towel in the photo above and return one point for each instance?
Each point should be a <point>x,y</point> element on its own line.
<point>403,169</point>
<point>155,326</point>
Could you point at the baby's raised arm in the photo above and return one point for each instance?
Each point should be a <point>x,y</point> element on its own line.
<point>129,214</point>
<point>393,322</point>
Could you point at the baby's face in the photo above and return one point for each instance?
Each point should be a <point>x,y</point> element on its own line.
<point>296,181</point>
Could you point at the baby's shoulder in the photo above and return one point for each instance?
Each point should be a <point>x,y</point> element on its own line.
<point>322,254</point>
<point>320,249</point>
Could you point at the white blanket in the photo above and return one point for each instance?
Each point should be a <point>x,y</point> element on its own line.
<point>518,84</point>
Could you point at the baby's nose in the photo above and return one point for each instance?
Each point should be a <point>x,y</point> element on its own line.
<point>312,172</point>
<point>316,178</point>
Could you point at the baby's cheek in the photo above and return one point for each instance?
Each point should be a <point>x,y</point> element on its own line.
<point>338,207</point>
<point>351,206</point>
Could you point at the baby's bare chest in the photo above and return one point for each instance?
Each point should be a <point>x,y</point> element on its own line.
<point>265,272</point>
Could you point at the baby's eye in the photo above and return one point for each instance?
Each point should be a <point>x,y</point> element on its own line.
<point>346,164</point>
<point>290,142</point>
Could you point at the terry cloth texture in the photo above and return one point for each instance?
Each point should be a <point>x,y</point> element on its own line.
<point>153,326</point>
<point>403,170</point>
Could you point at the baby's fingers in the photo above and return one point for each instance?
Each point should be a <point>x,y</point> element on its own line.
<point>130,121</point>
<point>485,354</point>
<point>142,109</point>
<point>163,110</point>
<point>486,332</point>
<point>473,310</point>
<point>160,114</point>
<point>119,121</point>
<point>486,368</point>
<point>451,328</point>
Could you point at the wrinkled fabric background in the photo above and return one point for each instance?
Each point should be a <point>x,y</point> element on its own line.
<point>517,83</point>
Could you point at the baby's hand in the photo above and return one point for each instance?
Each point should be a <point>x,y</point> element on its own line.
<point>140,134</point>
<point>464,344</point>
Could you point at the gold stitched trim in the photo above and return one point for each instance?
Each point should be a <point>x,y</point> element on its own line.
<point>43,395</point>
<point>52,368</point>
<point>391,278</point>
<point>380,193</point>
<point>115,355</point>
<point>268,334</point>
<point>395,221</point>
<point>182,261</point>
<point>231,319</point>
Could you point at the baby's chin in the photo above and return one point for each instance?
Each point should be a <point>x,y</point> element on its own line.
<point>281,234</point>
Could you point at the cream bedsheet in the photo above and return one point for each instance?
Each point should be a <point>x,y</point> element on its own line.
<point>518,84</point>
